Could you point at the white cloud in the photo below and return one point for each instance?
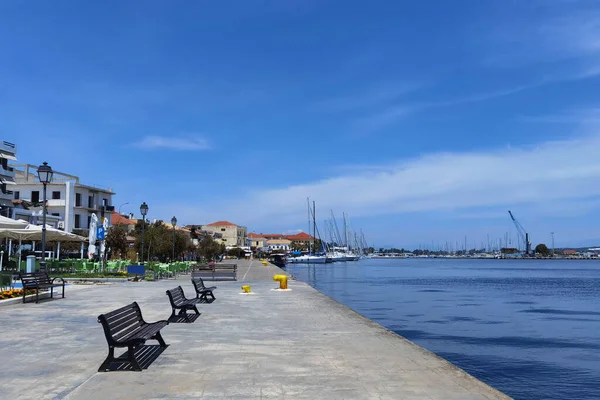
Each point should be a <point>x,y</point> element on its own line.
<point>376,96</point>
<point>173,143</point>
<point>393,113</point>
<point>553,171</point>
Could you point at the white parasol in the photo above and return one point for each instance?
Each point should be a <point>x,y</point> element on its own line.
<point>92,236</point>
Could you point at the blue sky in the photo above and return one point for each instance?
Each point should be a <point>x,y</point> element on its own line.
<point>424,121</point>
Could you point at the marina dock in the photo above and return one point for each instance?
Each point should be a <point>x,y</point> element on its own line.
<point>297,344</point>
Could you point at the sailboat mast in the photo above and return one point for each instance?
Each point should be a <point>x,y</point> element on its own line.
<point>314,226</point>
<point>345,232</point>
<point>308,209</point>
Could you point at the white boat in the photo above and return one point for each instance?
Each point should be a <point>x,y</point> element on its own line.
<point>307,259</point>
<point>336,256</point>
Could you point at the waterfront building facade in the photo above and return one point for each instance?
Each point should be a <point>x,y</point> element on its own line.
<point>8,152</point>
<point>67,198</point>
<point>279,244</point>
<point>232,235</point>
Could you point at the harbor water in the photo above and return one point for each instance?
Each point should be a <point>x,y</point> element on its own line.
<point>530,328</point>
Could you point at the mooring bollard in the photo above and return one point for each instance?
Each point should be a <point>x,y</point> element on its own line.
<point>282,279</point>
<point>246,288</point>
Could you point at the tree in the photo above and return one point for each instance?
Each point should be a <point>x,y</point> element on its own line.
<point>542,249</point>
<point>116,240</point>
<point>158,241</point>
<point>209,248</point>
<point>236,252</point>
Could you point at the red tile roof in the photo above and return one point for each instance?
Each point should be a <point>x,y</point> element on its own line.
<point>222,223</point>
<point>119,219</point>
<point>299,236</point>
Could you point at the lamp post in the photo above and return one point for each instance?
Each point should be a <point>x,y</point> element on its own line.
<point>143,211</point>
<point>45,177</point>
<point>173,222</point>
<point>121,206</point>
<point>552,233</point>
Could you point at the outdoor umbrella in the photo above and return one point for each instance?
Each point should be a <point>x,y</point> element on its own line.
<point>92,236</point>
<point>8,223</point>
<point>34,232</point>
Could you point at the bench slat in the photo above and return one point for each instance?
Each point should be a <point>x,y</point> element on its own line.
<point>126,323</point>
<point>125,327</point>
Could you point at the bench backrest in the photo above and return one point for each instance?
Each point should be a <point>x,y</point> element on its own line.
<point>33,279</point>
<point>176,296</point>
<point>121,323</point>
<point>226,266</point>
<point>198,283</point>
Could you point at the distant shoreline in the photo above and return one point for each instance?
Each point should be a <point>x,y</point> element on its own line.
<point>489,258</point>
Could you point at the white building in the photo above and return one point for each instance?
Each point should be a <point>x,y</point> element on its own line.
<point>279,244</point>
<point>231,234</point>
<point>68,199</point>
<point>8,152</point>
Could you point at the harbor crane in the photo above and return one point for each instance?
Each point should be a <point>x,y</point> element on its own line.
<point>524,236</point>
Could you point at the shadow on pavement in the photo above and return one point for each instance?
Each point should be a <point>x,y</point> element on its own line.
<point>145,355</point>
<point>180,319</point>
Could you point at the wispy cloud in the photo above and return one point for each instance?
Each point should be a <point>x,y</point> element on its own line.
<point>553,171</point>
<point>373,97</point>
<point>584,117</point>
<point>556,32</point>
<point>173,143</point>
<point>393,113</point>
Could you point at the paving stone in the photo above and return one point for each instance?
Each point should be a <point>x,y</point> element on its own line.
<point>298,344</point>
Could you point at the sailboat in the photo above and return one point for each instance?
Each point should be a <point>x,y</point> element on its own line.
<point>309,258</point>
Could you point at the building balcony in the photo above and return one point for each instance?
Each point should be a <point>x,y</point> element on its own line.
<point>8,171</point>
<point>86,207</point>
<point>8,147</point>
<point>56,203</point>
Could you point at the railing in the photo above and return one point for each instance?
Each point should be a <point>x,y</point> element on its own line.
<point>8,171</point>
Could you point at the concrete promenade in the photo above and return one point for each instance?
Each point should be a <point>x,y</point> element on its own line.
<point>271,345</point>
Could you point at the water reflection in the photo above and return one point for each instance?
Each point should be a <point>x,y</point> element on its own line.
<point>529,328</point>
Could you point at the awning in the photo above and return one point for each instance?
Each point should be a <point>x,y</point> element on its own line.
<point>8,156</point>
<point>6,203</point>
<point>8,180</point>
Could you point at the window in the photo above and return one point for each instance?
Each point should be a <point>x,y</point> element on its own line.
<point>77,199</point>
<point>17,194</point>
<point>55,195</point>
<point>35,196</point>
<point>77,221</point>
<point>89,221</point>
<point>223,229</point>
<point>56,214</point>
<point>90,201</point>
<point>104,202</point>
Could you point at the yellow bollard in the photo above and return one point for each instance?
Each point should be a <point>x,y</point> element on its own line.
<point>282,281</point>
<point>266,264</point>
<point>246,288</point>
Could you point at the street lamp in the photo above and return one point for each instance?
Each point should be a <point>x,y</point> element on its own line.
<point>45,174</point>
<point>552,233</point>
<point>173,222</point>
<point>143,211</point>
<point>121,206</point>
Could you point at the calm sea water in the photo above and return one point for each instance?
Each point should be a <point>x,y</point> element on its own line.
<point>528,328</point>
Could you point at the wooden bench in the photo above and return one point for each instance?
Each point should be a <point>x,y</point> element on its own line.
<point>202,291</point>
<point>215,271</point>
<point>40,281</point>
<point>126,327</point>
<point>181,303</point>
